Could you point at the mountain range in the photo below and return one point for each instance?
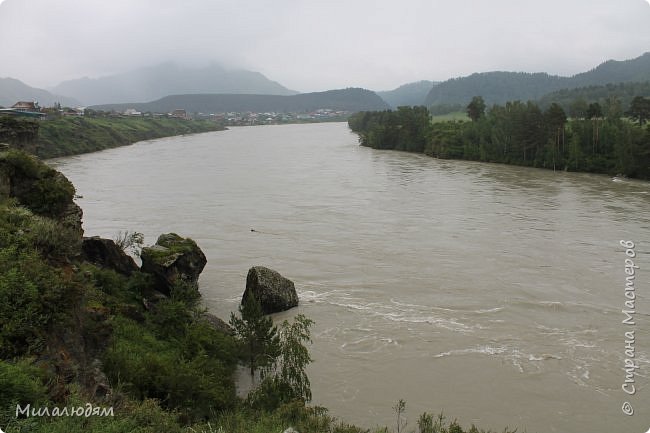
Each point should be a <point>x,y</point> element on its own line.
<point>213,83</point>
<point>351,99</point>
<point>407,94</point>
<point>12,91</point>
<point>148,84</point>
<point>500,87</point>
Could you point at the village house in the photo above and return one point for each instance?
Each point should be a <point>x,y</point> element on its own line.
<point>25,109</point>
<point>132,112</point>
<point>179,114</point>
<point>26,106</point>
<point>72,112</point>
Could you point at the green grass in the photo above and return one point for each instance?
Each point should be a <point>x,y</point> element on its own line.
<point>449,117</point>
<point>71,136</point>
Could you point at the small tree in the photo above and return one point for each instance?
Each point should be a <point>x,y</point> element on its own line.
<point>476,108</point>
<point>613,109</point>
<point>399,409</point>
<point>257,336</point>
<point>639,109</point>
<point>285,380</point>
<point>425,423</point>
<point>578,108</point>
<point>294,358</point>
<point>594,111</point>
<point>555,118</point>
<point>130,242</point>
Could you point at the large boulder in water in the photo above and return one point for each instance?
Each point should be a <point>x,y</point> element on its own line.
<point>274,292</point>
<point>172,260</point>
<point>106,253</point>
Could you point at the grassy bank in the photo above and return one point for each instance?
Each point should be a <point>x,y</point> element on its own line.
<point>75,135</point>
<point>456,116</point>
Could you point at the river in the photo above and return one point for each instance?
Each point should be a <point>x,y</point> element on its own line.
<point>490,292</point>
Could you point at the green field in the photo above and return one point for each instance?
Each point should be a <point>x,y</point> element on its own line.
<point>450,117</point>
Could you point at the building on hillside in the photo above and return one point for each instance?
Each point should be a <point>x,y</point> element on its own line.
<point>24,109</point>
<point>132,112</point>
<point>26,106</point>
<point>72,112</point>
<point>179,114</point>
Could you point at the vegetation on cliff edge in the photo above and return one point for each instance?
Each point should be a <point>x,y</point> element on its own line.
<point>74,135</point>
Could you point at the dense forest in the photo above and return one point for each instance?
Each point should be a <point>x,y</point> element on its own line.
<point>496,87</point>
<point>575,101</point>
<point>599,140</point>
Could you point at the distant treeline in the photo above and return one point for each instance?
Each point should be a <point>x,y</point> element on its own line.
<point>600,141</point>
<point>352,99</point>
<point>575,101</point>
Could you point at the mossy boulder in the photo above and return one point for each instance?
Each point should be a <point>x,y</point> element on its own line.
<point>274,292</point>
<point>173,260</point>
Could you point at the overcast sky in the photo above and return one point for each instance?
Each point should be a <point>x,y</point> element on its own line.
<point>318,45</point>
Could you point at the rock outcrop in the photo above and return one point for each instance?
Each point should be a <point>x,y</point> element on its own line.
<point>173,260</point>
<point>40,188</point>
<point>218,324</point>
<point>106,253</point>
<point>275,292</point>
<point>5,184</point>
<point>71,217</point>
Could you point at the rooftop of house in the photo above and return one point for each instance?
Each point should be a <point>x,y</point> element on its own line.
<point>25,105</point>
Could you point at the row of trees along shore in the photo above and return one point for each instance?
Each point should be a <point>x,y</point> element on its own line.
<point>599,139</point>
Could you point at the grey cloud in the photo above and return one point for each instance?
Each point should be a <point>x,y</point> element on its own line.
<point>318,45</point>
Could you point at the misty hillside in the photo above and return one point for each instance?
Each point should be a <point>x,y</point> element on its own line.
<point>494,87</point>
<point>12,91</point>
<point>407,94</point>
<point>613,71</point>
<point>500,87</point>
<point>623,92</point>
<point>351,99</point>
<point>147,84</point>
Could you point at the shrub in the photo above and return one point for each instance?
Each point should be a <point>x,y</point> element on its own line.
<point>43,190</point>
<point>286,380</point>
<point>22,383</point>
<point>130,242</point>
<point>21,163</point>
<point>49,195</point>
<point>136,417</point>
<point>52,239</point>
<point>33,296</point>
<point>107,280</point>
<point>149,367</point>
<point>201,339</point>
<point>170,319</point>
